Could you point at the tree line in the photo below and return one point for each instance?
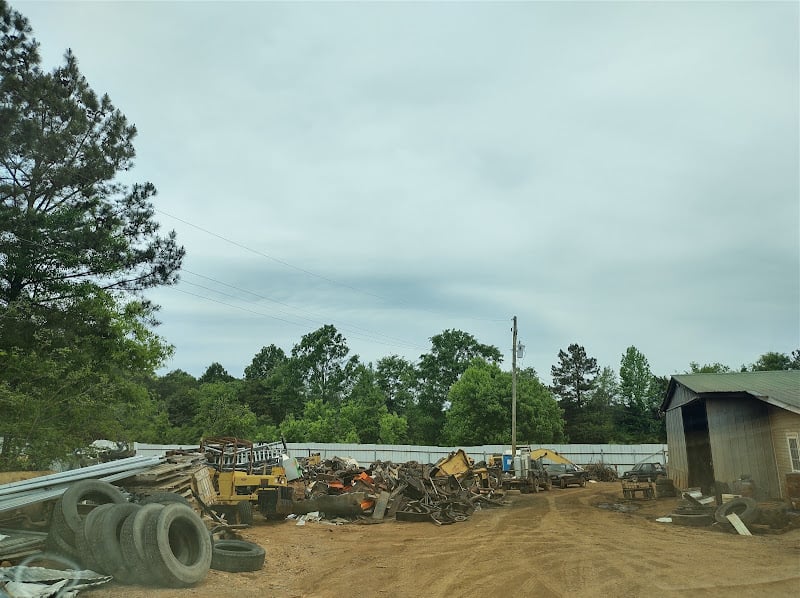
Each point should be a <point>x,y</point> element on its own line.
<point>79,355</point>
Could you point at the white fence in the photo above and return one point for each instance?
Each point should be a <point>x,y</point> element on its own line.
<point>619,456</point>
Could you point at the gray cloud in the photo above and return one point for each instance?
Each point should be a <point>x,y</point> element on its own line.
<point>612,173</point>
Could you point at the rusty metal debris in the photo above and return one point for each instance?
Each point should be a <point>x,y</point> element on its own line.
<point>446,492</point>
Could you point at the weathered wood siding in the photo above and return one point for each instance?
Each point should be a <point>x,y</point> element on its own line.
<point>783,423</point>
<point>741,442</point>
<point>676,441</point>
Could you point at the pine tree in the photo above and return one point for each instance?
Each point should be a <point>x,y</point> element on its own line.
<point>574,379</point>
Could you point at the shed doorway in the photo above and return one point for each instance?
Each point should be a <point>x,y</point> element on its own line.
<point>698,446</point>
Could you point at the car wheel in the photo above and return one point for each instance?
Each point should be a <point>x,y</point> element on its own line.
<point>583,482</point>
<point>563,483</point>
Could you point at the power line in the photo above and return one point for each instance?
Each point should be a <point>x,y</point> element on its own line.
<point>367,332</point>
<point>309,272</point>
<point>258,313</point>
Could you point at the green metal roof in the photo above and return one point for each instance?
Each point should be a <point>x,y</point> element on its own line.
<point>781,388</point>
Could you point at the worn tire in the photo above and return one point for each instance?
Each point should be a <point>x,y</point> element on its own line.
<point>165,498</point>
<point>583,482</point>
<point>244,512</point>
<point>178,546</point>
<point>97,491</point>
<point>132,545</point>
<point>236,556</point>
<point>562,483</point>
<point>60,539</point>
<point>745,507</point>
<point>59,526</point>
<point>105,538</point>
<point>83,539</point>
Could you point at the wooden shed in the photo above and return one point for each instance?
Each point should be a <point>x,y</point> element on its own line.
<point>721,427</point>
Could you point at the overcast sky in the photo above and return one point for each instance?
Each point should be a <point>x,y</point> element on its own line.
<point>613,174</point>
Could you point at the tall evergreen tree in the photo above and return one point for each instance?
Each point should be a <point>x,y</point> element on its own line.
<point>68,224</point>
<point>574,380</point>
<point>76,248</point>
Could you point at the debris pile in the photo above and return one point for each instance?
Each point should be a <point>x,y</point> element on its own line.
<point>443,493</point>
<point>742,515</point>
<point>146,531</point>
<point>173,476</point>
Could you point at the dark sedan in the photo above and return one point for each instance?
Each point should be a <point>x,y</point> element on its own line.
<point>563,475</point>
<point>643,472</point>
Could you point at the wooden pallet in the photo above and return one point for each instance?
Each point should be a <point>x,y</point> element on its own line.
<point>173,476</point>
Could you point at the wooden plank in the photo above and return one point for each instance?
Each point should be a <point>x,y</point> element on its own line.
<point>738,524</point>
<point>380,505</point>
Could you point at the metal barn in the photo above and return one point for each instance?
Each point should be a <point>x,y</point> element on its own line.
<point>725,427</point>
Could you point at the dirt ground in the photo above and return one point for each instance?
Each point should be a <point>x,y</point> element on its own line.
<point>557,543</point>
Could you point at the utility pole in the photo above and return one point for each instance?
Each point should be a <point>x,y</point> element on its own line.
<point>514,390</point>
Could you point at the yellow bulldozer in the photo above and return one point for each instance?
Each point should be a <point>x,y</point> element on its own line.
<point>248,476</point>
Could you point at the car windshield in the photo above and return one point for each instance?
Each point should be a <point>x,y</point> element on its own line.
<point>556,467</point>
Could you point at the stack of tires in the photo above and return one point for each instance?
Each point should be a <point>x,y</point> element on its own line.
<point>160,544</point>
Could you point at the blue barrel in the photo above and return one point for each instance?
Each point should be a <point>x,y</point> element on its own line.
<point>508,462</point>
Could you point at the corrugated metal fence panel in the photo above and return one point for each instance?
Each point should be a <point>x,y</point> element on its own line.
<point>620,456</point>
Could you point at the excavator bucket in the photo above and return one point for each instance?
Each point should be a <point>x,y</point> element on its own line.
<point>457,464</point>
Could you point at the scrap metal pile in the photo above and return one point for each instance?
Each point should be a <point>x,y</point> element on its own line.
<point>443,493</point>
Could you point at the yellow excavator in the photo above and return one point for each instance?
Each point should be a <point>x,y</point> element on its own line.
<point>550,455</point>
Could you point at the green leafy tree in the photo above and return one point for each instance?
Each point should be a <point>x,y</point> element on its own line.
<point>601,407</point>
<point>273,385</point>
<point>658,388</point>
<point>772,361</point>
<point>641,396</point>
<point>450,355</point>
<point>574,380</point>
<point>394,429</point>
<point>708,368</point>
<point>215,373</point>
<point>75,382</point>
<point>365,406</point>
<point>264,363</point>
<point>321,359</point>
<point>396,377</point>
<point>320,422</point>
<point>635,377</point>
<point>539,417</point>
<point>177,391</point>
<point>367,411</point>
<point>480,410</point>
<point>220,413</point>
